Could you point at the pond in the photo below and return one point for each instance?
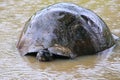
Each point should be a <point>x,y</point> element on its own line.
<point>14,14</point>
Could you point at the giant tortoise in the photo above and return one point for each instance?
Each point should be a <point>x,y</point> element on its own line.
<point>64,29</point>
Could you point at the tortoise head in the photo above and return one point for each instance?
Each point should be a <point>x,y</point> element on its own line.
<point>44,55</point>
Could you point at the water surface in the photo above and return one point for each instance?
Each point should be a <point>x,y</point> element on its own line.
<point>14,14</point>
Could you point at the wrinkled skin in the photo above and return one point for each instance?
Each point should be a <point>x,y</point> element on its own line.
<point>64,29</point>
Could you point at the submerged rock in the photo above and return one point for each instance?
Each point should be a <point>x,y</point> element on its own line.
<point>64,29</point>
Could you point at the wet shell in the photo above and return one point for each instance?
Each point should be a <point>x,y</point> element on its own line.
<point>65,29</point>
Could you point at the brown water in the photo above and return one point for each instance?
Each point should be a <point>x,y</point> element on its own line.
<point>14,13</point>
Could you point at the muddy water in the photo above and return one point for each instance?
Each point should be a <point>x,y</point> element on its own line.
<point>14,13</point>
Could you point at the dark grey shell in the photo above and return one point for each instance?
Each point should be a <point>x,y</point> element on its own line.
<point>65,29</point>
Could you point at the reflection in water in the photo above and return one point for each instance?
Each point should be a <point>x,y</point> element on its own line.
<point>13,15</point>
